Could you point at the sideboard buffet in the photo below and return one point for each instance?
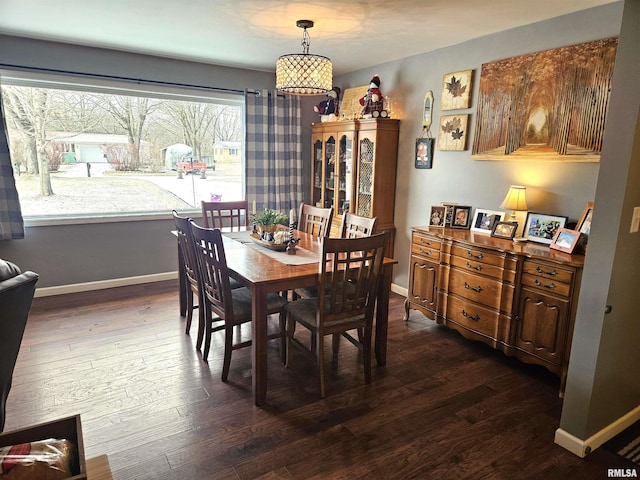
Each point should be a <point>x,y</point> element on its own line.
<point>519,298</point>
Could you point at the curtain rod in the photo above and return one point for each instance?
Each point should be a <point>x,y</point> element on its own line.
<point>116,77</point>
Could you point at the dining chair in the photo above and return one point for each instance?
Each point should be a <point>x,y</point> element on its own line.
<point>351,226</point>
<point>185,242</point>
<point>356,226</point>
<point>315,220</point>
<point>349,272</point>
<point>226,308</point>
<point>225,214</point>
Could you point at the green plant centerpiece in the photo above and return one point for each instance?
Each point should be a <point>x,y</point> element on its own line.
<point>268,220</point>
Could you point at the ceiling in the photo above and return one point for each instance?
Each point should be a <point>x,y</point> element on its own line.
<point>355,34</point>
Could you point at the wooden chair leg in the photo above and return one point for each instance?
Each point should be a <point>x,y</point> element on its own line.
<point>228,347</point>
<point>189,311</point>
<point>320,357</point>
<point>207,335</point>
<point>283,337</point>
<point>366,354</point>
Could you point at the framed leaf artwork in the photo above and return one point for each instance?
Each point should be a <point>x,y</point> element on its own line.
<point>452,134</point>
<point>456,90</point>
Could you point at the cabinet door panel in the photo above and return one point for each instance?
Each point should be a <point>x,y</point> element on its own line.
<point>542,325</point>
<point>423,282</point>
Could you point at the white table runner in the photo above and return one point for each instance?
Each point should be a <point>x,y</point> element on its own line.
<point>302,256</point>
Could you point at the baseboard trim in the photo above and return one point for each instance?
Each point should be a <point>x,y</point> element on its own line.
<point>103,284</point>
<point>399,290</point>
<point>582,448</point>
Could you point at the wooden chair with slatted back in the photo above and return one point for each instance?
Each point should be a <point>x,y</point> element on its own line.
<point>187,253</point>
<point>349,273</point>
<point>315,220</point>
<point>356,226</point>
<point>225,214</point>
<point>224,307</point>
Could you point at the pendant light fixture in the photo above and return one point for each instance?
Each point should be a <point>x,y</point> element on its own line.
<point>303,73</point>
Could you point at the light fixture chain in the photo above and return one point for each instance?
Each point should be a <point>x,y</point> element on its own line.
<point>306,42</point>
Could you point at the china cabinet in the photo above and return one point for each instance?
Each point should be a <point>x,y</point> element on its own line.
<point>354,169</point>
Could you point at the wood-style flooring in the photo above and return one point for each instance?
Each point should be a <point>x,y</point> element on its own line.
<point>442,408</point>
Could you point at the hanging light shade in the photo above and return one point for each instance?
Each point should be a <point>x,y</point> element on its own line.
<point>302,73</point>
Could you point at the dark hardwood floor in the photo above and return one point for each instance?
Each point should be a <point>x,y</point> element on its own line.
<point>443,407</point>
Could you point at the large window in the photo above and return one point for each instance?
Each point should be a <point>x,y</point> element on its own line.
<point>87,150</point>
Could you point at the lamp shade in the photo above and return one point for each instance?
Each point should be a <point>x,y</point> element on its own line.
<point>304,74</point>
<point>515,199</point>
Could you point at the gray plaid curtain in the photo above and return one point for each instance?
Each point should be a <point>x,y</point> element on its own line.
<point>11,224</point>
<point>273,151</point>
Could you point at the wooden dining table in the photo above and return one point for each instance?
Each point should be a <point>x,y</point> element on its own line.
<point>261,273</point>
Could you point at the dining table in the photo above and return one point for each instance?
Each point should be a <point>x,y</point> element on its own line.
<point>263,271</point>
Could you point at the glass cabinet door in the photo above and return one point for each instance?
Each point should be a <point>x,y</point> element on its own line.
<point>345,179</point>
<point>329,171</point>
<point>317,174</point>
<point>365,177</point>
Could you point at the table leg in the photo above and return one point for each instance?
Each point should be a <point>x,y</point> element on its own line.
<point>259,344</point>
<point>382,315</point>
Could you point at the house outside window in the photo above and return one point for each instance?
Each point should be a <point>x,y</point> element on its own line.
<point>88,151</point>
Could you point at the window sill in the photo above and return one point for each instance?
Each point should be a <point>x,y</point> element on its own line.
<point>104,218</point>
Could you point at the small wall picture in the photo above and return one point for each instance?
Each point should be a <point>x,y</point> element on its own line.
<point>484,220</point>
<point>461,217</point>
<point>437,216</point>
<point>424,152</point>
<point>452,134</point>
<point>504,230</point>
<point>541,228</point>
<point>565,240</point>
<point>448,208</point>
<point>456,90</point>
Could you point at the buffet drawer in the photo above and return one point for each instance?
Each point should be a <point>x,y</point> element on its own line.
<point>548,271</point>
<point>486,291</point>
<point>475,266</point>
<point>473,316</point>
<point>546,285</point>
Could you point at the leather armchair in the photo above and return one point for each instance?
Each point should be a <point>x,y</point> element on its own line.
<point>16,295</point>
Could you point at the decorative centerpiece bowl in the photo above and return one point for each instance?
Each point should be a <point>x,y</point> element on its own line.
<point>267,221</point>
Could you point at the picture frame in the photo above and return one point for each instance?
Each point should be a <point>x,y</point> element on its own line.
<point>584,223</point>
<point>565,240</point>
<point>484,220</point>
<point>506,230</point>
<point>461,217</point>
<point>456,90</point>
<point>452,133</point>
<point>541,228</point>
<point>448,207</point>
<point>424,153</point>
<point>437,216</point>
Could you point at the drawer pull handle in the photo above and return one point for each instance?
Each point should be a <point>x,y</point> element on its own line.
<point>477,267</point>
<point>471,317</point>
<point>425,242</point>
<point>426,252</point>
<point>539,270</point>
<point>479,256</point>
<point>475,289</point>
<point>540,284</point>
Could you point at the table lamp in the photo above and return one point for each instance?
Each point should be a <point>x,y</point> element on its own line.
<point>515,201</point>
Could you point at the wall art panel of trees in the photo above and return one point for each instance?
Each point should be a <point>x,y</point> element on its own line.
<point>549,105</point>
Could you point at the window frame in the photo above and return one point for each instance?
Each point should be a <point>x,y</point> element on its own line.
<point>121,86</point>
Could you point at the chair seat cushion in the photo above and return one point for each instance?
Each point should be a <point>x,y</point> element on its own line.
<point>242,303</point>
<point>305,312</point>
